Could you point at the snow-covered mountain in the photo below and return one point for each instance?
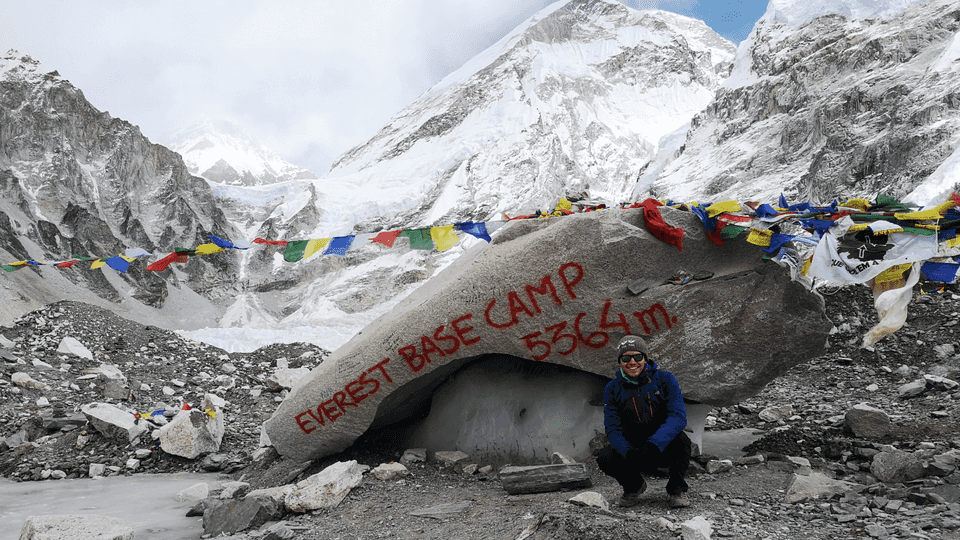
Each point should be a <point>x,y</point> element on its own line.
<point>222,152</point>
<point>572,103</point>
<point>76,182</point>
<point>824,102</point>
<point>587,99</point>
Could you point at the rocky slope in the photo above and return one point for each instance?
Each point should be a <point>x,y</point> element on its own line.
<point>75,181</point>
<point>834,107</point>
<point>800,415</point>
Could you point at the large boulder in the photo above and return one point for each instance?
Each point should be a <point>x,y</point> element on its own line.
<point>193,432</point>
<point>115,424</point>
<point>564,291</point>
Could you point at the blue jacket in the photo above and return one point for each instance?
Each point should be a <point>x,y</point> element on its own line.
<point>648,410</point>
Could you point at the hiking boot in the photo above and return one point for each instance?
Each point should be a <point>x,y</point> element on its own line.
<point>629,499</point>
<point>679,501</point>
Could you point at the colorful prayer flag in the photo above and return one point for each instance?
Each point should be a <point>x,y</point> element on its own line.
<point>339,245</point>
<point>476,230</point>
<point>226,244</point>
<point>118,263</point>
<point>859,257</point>
<point>270,242</point>
<point>386,238</point>
<point>419,238</point>
<point>723,207</point>
<point>162,264</point>
<point>444,237</point>
<point>658,227</point>
<point>208,249</point>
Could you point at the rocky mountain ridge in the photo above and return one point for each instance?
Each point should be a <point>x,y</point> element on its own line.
<point>837,107</point>
<point>76,182</point>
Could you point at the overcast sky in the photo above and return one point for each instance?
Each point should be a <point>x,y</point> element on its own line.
<point>308,78</point>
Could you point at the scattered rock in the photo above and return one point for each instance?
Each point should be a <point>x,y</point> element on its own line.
<point>195,431</point>
<point>866,421</point>
<point>71,346</point>
<point>390,471</point>
<point>590,498</point>
<point>813,486</point>
<point>75,527</point>
<point>235,515</point>
<point>113,423</point>
<point>196,492</point>
<point>325,489</point>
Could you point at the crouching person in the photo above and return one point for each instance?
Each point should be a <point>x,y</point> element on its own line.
<point>644,417</point>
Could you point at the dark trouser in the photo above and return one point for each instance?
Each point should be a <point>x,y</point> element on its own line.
<point>675,458</point>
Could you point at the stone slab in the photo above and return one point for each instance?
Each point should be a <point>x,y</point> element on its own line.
<point>544,478</point>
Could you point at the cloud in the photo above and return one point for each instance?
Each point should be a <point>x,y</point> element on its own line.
<point>310,79</point>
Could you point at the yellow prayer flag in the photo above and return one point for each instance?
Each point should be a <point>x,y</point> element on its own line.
<point>208,249</point>
<point>211,413</point>
<point>760,237</point>
<point>564,204</point>
<point>859,204</point>
<point>894,273</point>
<point>944,206</point>
<point>932,213</point>
<point>315,245</point>
<point>953,242</point>
<point>444,237</point>
<point>861,227</point>
<point>806,266</point>
<point>97,264</point>
<point>723,207</point>
<point>128,259</point>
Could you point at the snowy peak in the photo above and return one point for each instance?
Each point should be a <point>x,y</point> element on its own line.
<point>222,152</point>
<point>572,103</point>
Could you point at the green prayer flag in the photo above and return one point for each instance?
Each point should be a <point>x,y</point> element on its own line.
<point>294,250</point>
<point>419,238</point>
<point>919,231</point>
<point>731,231</point>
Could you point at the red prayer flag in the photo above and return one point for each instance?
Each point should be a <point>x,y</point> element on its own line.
<point>162,264</point>
<point>66,264</point>
<point>271,242</point>
<point>658,227</point>
<point>387,238</point>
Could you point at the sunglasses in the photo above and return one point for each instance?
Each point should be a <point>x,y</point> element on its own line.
<point>626,358</point>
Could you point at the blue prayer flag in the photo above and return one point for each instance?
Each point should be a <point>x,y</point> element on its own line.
<point>339,245</point>
<point>475,229</point>
<point>765,210</point>
<point>118,263</point>
<point>220,242</point>
<point>940,272</point>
